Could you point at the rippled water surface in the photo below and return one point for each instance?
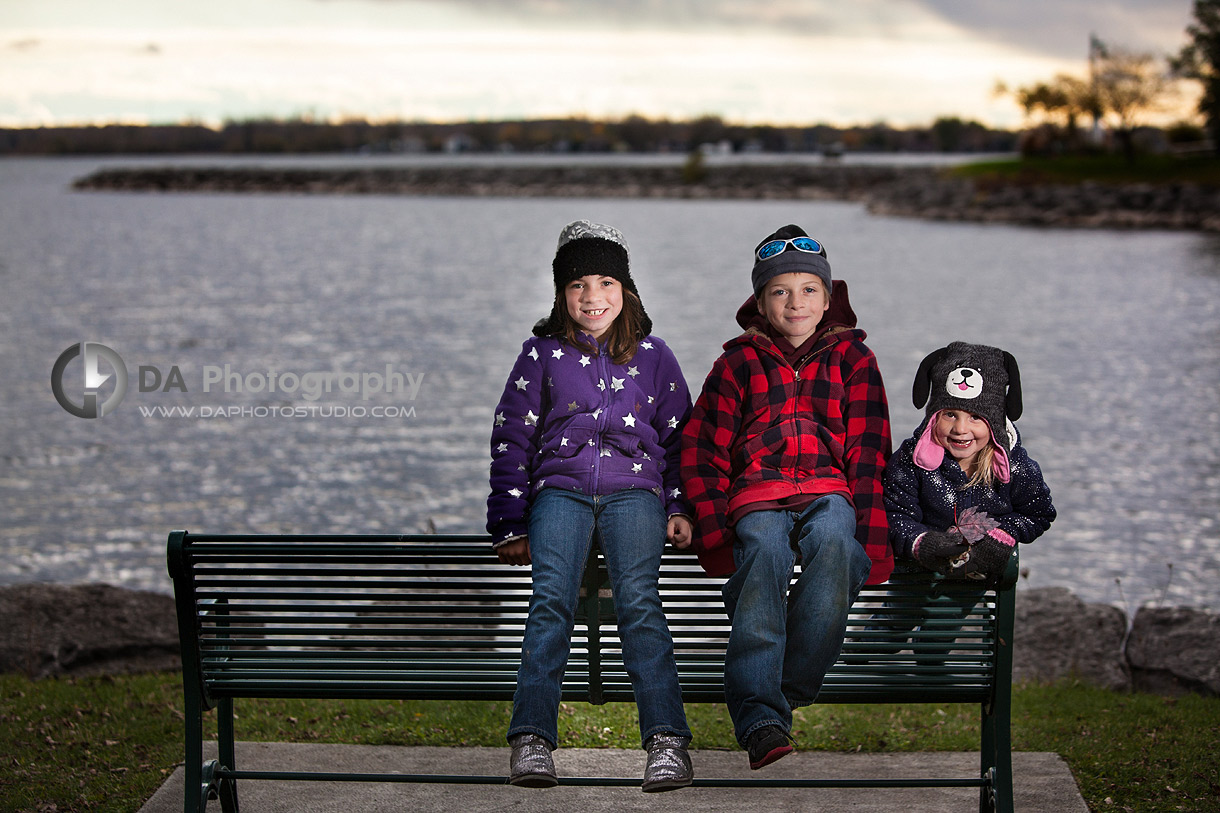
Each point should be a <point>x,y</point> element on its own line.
<point>1116,333</point>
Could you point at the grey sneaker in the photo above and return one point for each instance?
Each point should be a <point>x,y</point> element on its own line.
<point>669,766</point>
<point>530,764</point>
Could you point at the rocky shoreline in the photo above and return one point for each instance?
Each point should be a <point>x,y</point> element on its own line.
<point>924,192</point>
<point>58,630</point>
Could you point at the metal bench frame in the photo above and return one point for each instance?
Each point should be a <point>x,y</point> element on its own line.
<point>426,617</point>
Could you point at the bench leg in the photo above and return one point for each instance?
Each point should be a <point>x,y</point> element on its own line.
<point>196,793</point>
<point>213,786</point>
<point>997,715</point>
<point>227,750</point>
<point>996,797</point>
<point>201,782</point>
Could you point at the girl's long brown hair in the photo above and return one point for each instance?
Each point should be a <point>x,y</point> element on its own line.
<point>621,339</point>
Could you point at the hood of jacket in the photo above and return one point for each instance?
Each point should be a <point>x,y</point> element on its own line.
<point>838,318</point>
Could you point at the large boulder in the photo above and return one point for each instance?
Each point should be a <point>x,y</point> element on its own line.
<point>1058,636</point>
<point>1173,650</point>
<point>51,629</point>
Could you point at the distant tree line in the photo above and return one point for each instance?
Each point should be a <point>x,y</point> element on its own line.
<point>633,134</point>
<point>1067,113</point>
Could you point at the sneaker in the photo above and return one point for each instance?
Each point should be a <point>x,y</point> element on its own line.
<point>767,744</point>
<point>530,764</point>
<point>669,766</point>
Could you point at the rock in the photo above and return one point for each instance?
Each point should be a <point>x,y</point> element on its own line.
<point>51,629</point>
<point>1173,650</point>
<point>48,630</point>
<point>1059,636</point>
<point>1086,205</point>
<point>886,190</point>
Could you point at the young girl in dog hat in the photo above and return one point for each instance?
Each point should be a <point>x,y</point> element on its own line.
<point>585,446</point>
<point>962,491</point>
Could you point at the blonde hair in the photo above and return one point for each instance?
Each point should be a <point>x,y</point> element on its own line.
<point>983,473</point>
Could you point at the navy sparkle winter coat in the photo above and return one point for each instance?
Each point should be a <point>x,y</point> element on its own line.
<point>919,500</point>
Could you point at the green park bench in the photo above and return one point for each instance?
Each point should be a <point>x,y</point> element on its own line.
<point>438,617</point>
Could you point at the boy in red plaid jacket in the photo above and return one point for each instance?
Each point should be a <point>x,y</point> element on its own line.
<point>783,459</point>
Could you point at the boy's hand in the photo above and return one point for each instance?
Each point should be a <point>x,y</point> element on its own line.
<point>941,551</point>
<point>679,531</point>
<point>516,552</point>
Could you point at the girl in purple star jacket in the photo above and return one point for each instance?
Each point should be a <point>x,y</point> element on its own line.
<point>585,447</point>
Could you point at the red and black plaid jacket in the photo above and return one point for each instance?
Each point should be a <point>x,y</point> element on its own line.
<point>763,431</point>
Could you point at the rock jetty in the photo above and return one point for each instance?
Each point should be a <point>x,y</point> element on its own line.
<point>95,629</point>
<point>58,630</point>
<point>925,192</point>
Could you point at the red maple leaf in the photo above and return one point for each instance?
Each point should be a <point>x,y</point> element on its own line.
<point>974,523</point>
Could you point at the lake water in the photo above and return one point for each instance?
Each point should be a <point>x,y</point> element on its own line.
<point>1116,333</point>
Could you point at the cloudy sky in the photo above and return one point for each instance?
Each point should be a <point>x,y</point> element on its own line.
<point>753,61</point>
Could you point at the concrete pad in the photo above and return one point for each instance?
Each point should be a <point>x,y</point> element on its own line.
<point>1043,782</point>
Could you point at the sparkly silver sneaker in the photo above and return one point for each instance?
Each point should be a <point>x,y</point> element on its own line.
<point>530,764</point>
<point>669,766</point>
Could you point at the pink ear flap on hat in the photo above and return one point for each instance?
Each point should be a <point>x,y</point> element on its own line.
<point>928,453</point>
<point>999,461</point>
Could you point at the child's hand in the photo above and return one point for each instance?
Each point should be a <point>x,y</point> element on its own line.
<point>941,551</point>
<point>679,531</point>
<point>516,552</point>
<point>989,556</point>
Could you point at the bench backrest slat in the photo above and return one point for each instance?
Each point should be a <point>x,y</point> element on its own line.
<point>439,617</point>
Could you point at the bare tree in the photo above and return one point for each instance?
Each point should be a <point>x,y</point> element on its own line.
<point>1068,96</point>
<point>1200,60</point>
<point>1129,85</point>
<point>1058,104</point>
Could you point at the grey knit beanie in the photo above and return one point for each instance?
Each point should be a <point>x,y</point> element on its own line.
<point>972,378</point>
<point>777,255</point>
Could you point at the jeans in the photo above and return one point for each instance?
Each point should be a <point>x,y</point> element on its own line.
<point>630,528</point>
<point>783,641</point>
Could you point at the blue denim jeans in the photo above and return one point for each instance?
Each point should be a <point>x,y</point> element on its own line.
<point>783,641</point>
<point>630,529</point>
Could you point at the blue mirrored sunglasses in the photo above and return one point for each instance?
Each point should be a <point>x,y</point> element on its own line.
<point>806,244</point>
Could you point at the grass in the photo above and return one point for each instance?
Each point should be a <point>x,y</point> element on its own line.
<point>1072,169</point>
<point>107,743</point>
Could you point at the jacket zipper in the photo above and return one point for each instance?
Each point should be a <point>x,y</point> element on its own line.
<point>602,418</point>
<point>797,368</point>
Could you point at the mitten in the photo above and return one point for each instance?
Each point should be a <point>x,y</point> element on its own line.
<point>940,550</point>
<point>989,556</point>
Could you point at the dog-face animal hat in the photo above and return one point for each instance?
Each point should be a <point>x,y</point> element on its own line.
<point>972,378</point>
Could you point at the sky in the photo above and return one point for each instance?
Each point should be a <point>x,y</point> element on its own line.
<point>840,62</point>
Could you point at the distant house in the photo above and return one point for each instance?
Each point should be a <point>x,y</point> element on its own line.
<point>459,142</point>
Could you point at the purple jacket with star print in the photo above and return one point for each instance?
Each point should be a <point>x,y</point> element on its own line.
<point>580,422</point>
